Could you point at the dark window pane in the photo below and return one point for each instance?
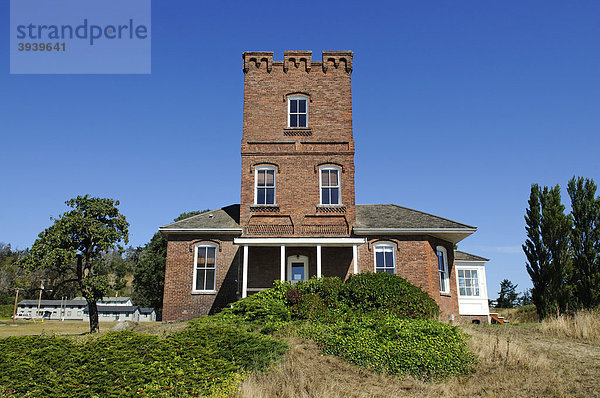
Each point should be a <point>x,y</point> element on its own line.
<point>210,279</point>
<point>200,279</point>
<point>440,261</point>
<point>270,177</point>
<point>325,178</point>
<point>260,196</point>
<point>333,178</point>
<point>302,106</point>
<point>389,259</point>
<point>210,257</point>
<point>379,258</point>
<point>270,200</point>
<point>463,291</point>
<point>293,120</point>
<point>201,256</point>
<point>293,106</point>
<point>325,196</point>
<point>335,199</point>
<point>261,178</point>
<point>301,120</point>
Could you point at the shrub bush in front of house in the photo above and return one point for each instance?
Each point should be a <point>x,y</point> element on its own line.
<point>377,321</point>
<point>206,359</point>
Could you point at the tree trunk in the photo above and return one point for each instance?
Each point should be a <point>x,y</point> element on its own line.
<point>93,311</point>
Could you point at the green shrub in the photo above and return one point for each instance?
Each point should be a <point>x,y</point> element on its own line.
<point>426,349</point>
<point>6,310</point>
<point>388,293</point>
<point>311,306</point>
<point>206,359</point>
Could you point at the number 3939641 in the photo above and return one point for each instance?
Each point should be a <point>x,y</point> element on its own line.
<point>41,47</point>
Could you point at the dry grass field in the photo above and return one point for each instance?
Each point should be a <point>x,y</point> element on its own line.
<point>515,361</point>
<point>552,359</point>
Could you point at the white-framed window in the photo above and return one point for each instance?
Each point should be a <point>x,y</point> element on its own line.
<point>264,185</point>
<point>385,258</point>
<point>442,257</point>
<point>205,267</point>
<point>468,282</point>
<point>330,186</point>
<point>297,111</point>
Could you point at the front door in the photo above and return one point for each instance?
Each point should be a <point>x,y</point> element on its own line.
<point>297,268</point>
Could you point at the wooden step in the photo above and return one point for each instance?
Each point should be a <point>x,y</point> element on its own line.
<point>496,318</point>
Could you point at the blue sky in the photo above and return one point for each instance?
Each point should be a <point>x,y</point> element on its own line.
<point>458,108</point>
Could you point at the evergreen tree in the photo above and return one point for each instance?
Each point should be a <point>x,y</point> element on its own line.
<point>547,251</point>
<point>585,241</point>
<point>507,296</point>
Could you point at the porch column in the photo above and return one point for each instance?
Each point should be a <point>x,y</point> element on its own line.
<point>245,273</point>
<point>355,259</point>
<point>282,263</point>
<point>318,261</point>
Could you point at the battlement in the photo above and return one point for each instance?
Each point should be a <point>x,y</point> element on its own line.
<point>297,60</point>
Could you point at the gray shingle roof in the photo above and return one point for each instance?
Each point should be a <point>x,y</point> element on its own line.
<point>464,256</point>
<point>397,217</point>
<point>146,310</point>
<point>45,303</point>
<point>125,309</point>
<point>226,218</point>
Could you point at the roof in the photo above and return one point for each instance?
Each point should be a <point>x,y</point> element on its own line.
<point>464,256</point>
<point>225,220</point>
<point>44,303</point>
<point>117,298</point>
<point>372,219</point>
<point>146,310</point>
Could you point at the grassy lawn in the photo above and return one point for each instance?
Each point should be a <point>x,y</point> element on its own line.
<point>28,328</point>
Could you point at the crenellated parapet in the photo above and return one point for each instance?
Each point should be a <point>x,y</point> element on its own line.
<point>298,61</point>
<point>257,60</point>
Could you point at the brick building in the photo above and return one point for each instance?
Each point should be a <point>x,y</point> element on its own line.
<point>297,216</point>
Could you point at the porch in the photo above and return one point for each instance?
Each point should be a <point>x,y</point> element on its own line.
<point>265,260</point>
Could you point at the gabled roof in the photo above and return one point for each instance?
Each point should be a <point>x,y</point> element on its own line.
<point>146,310</point>
<point>390,219</point>
<point>464,256</point>
<point>225,220</point>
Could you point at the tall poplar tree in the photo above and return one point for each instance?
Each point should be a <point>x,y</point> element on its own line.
<point>585,241</point>
<point>547,251</point>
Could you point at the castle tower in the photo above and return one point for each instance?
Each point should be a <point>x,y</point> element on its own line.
<point>297,145</point>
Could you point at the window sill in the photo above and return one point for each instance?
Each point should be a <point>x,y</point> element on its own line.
<point>445,294</point>
<point>204,292</point>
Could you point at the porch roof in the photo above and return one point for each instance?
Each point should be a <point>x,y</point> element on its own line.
<point>299,241</point>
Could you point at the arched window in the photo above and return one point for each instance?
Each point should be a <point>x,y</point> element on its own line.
<point>297,111</point>
<point>264,185</point>
<point>385,257</point>
<point>442,257</point>
<point>205,267</point>
<point>330,186</point>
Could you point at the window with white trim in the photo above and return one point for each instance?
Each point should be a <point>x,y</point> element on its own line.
<point>442,257</point>
<point>264,193</point>
<point>329,181</point>
<point>385,258</point>
<point>205,266</point>
<point>297,111</point>
<point>468,282</point>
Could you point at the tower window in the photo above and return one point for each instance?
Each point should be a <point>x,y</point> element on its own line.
<point>330,186</point>
<point>265,186</point>
<point>297,111</point>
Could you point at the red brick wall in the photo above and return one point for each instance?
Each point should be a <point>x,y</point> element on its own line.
<point>416,261</point>
<point>297,153</point>
<point>178,302</point>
